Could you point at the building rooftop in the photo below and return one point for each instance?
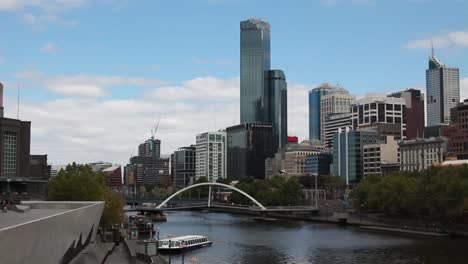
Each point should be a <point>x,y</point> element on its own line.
<point>38,211</point>
<point>112,168</point>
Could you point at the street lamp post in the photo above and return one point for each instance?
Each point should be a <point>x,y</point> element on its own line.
<point>360,214</point>
<point>170,253</point>
<point>326,205</point>
<point>316,191</point>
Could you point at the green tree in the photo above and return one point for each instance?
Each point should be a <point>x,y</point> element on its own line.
<point>80,183</point>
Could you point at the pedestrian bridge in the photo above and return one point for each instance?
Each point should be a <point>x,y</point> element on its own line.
<point>257,208</point>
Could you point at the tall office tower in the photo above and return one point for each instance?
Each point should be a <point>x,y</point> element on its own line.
<point>248,145</point>
<point>254,63</point>
<point>414,112</point>
<point>210,156</point>
<point>443,91</point>
<point>334,122</point>
<point>337,101</point>
<point>315,117</point>
<point>150,148</point>
<point>184,166</point>
<point>347,153</point>
<point>277,106</point>
<point>385,114</point>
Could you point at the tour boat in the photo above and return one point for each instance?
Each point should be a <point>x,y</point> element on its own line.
<point>183,243</point>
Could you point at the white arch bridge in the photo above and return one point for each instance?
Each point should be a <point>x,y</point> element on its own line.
<point>258,206</point>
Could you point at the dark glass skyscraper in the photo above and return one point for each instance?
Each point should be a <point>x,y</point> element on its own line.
<point>315,125</point>
<point>276,105</point>
<point>248,145</point>
<point>254,62</point>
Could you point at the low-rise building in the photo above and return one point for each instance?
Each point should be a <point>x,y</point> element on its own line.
<point>293,163</point>
<point>318,164</point>
<point>457,131</point>
<point>113,177</point>
<point>420,154</point>
<point>382,154</point>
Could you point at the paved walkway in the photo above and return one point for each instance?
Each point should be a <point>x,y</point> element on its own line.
<point>120,256</point>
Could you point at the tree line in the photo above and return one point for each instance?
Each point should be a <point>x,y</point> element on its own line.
<point>80,183</point>
<point>439,192</point>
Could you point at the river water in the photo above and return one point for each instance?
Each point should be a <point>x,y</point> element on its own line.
<point>240,239</point>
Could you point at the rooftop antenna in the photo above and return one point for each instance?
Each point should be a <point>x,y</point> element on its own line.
<point>432,48</point>
<point>17,113</point>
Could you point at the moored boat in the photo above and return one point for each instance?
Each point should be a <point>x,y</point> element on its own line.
<point>183,243</point>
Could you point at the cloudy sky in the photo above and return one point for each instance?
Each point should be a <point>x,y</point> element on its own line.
<point>96,75</point>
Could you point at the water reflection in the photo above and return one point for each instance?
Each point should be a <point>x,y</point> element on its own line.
<point>239,239</point>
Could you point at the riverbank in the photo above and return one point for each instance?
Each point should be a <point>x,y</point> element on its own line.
<point>398,226</point>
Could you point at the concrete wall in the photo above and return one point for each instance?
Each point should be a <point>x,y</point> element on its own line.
<point>48,239</point>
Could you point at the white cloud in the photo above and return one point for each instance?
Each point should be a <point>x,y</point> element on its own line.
<point>49,47</point>
<point>454,39</point>
<point>38,13</point>
<point>83,85</point>
<point>203,88</point>
<point>86,129</point>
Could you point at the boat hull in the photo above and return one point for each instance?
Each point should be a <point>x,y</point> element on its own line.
<point>184,249</point>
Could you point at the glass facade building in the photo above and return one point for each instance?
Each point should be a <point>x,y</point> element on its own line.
<point>184,166</point>
<point>249,145</point>
<point>347,153</point>
<point>318,164</point>
<point>277,105</point>
<point>443,92</point>
<point>254,63</point>
<point>315,125</point>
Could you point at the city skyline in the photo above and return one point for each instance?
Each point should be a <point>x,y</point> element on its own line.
<point>117,100</point>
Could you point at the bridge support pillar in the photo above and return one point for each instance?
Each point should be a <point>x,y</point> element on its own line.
<point>209,196</point>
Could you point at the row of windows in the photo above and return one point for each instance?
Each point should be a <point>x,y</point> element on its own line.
<point>9,152</point>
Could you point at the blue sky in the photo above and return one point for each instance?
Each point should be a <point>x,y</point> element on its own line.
<point>81,63</point>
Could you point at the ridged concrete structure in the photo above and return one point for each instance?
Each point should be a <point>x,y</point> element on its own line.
<point>50,232</point>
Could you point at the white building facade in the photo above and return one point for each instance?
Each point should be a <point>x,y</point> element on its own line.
<point>419,154</point>
<point>210,156</point>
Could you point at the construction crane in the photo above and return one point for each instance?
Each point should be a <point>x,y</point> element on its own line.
<point>153,131</point>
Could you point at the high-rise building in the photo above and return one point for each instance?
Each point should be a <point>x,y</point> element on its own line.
<point>210,156</point>
<point>315,96</point>
<point>347,153</point>
<point>150,148</point>
<point>443,91</point>
<point>150,171</point>
<point>248,145</point>
<point>263,91</point>
<point>334,122</point>
<point>414,112</point>
<point>277,105</point>
<point>254,64</point>
<point>184,166</point>
<point>385,114</point>
<point>337,101</point>
<point>457,131</point>
<point>420,154</point>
